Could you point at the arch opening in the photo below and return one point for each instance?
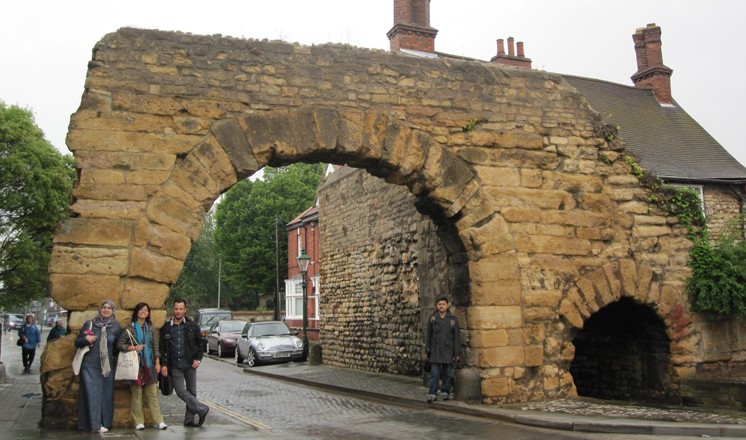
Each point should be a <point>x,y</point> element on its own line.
<point>623,353</point>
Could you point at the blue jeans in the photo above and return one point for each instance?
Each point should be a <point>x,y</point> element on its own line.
<point>436,370</point>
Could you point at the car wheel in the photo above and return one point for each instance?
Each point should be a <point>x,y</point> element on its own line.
<point>239,359</point>
<point>251,357</point>
<point>220,350</point>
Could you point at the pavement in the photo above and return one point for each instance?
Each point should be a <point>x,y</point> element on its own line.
<point>20,407</point>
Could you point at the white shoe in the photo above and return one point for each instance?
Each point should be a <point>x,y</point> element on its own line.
<point>140,427</point>
<point>161,426</point>
<point>102,430</point>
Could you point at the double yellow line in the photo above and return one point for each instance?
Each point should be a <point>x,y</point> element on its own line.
<point>236,416</point>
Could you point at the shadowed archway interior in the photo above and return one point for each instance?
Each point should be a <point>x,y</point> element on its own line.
<point>623,353</point>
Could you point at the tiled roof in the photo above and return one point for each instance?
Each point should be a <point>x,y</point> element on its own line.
<point>668,141</point>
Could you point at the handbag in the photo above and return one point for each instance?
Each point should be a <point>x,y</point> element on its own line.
<point>165,385</point>
<point>426,366</point>
<point>78,359</point>
<point>19,342</point>
<point>128,363</point>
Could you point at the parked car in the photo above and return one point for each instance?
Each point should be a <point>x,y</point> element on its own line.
<point>205,318</point>
<point>12,322</point>
<point>268,341</point>
<point>223,335</point>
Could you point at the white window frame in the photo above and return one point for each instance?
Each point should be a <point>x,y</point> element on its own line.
<point>316,283</point>
<point>293,293</point>
<point>699,189</point>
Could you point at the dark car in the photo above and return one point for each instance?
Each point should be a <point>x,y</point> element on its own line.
<point>206,318</point>
<point>222,337</point>
<point>12,322</point>
<point>268,341</point>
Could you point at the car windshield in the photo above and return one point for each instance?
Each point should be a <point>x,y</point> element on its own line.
<point>274,329</point>
<point>208,320</point>
<point>232,326</point>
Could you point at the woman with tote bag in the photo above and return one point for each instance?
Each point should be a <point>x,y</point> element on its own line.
<point>140,336</point>
<point>96,401</point>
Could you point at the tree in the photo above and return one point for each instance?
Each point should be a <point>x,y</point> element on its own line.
<point>35,185</point>
<point>198,281</point>
<point>245,230</point>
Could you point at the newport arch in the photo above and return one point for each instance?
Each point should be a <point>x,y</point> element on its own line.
<point>532,197</point>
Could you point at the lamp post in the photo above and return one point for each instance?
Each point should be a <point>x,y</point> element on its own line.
<point>303,261</point>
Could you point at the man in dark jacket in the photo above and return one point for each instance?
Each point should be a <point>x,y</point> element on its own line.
<point>442,345</point>
<point>181,355</point>
<point>30,336</point>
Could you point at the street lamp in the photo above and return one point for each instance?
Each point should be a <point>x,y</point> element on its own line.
<point>303,260</point>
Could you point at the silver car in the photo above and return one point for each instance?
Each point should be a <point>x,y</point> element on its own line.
<point>268,341</point>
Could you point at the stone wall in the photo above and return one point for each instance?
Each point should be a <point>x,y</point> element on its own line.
<point>541,221</point>
<point>722,205</point>
<point>372,242</point>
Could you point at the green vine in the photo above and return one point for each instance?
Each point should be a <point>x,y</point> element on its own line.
<point>718,281</point>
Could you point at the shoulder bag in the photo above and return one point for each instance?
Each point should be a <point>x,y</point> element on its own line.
<point>78,359</point>
<point>128,362</point>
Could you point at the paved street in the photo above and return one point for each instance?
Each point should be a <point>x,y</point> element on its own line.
<point>250,406</point>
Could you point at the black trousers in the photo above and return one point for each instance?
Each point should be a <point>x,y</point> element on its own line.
<point>27,354</point>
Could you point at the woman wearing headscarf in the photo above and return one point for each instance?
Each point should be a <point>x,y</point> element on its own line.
<point>140,336</point>
<point>96,400</point>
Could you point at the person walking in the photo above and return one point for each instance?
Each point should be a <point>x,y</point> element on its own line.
<point>140,336</point>
<point>181,355</point>
<point>30,336</point>
<point>96,400</point>
<point>442,347</point>
<point>57,331</point>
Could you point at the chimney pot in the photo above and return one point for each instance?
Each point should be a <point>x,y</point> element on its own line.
<point>500,46</point>
<point>511,47</point>
<point>519,48</point>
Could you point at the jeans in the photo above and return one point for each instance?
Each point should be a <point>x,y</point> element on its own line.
<point>446,370</point>
<point>185,386</point>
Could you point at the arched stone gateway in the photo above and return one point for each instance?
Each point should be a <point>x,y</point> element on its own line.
<point>535,205</point>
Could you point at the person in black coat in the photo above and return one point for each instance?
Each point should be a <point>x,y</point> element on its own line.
<point>181,355</point>
<point>442,346</point>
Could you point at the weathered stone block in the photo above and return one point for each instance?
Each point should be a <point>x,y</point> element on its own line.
<point>88,260</point>
<point>138,290</point>
<point>162,239</point>
<point>552,245</point>
<point>81,291</point>
<point>88,231</point>
<point>494,317</point>
<point>152,266</point>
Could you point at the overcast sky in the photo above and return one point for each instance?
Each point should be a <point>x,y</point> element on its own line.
<point>45,45</point>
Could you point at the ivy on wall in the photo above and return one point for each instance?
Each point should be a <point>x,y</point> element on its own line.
<point>718,281</point>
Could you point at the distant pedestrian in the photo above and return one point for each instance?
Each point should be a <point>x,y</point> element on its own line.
<point>31,336</point>
<point>96,399</point>
<point>141,336</point>
<point>442,346</point>
<point>181,354</point>
<point>57,331</point>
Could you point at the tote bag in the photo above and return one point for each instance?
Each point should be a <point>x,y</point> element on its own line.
<point>128,363</point>
<point>78,359</point>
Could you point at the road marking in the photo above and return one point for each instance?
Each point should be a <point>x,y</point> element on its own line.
<point>239,417</point>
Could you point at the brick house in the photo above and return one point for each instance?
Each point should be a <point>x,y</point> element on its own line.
<point>303,235</point>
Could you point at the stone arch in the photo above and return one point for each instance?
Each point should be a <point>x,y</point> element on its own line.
<point>626,279</point>
<point>146,249</point>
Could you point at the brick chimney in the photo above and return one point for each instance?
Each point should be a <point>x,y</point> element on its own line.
<point>412,29</point>
<point>651,72</point>
<point>513,58</point>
